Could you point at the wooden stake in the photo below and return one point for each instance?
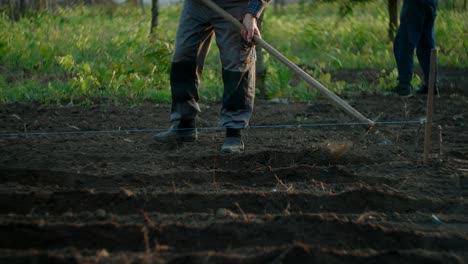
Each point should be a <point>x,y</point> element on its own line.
<point>429,110</point>
<point>306,77</point>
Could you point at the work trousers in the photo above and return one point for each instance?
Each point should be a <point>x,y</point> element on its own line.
<point>197,26</point>
<point>416,31</point>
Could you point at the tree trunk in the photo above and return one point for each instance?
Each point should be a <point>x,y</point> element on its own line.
<point>13,10</point>
<point>278,5</point>
<point>38,5</point>
<point>23,8</point>
<point>393,21</point>
<point>142,5</point>
<point>154,17</point>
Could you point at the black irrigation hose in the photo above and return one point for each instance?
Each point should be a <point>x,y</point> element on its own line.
<point>93,132</point>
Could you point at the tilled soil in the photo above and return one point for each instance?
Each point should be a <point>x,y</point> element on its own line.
<point>118,197</point>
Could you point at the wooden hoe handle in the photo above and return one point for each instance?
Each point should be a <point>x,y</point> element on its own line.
<point>306,77</point>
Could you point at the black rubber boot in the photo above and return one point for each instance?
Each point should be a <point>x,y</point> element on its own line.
<point>403,90</point>
<point>233,141</point>
<point>184,132</point>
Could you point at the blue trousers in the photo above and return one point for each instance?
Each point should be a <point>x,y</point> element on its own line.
<point>416,31</point>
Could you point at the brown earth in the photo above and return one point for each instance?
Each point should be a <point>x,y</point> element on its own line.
<point>120,198</point>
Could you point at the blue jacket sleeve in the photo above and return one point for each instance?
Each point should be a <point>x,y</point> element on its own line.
<point>256,7</point>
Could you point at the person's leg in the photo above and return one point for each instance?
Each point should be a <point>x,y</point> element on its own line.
<point>192,44</point>
<point>238,61</point>
<point>426,44</point>
<point>406,40</point>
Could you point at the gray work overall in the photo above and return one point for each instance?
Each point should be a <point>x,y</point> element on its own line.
<point>197,26</point>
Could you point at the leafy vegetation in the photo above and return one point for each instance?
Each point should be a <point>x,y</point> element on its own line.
<point>78,55</point>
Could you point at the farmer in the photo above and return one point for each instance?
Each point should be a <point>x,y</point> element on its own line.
<point>416,31</point>
<point>197,25</point>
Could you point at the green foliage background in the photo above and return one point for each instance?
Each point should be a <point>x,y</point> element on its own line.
<point>84,54</point>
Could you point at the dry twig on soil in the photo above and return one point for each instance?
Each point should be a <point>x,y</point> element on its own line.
<point>150,222</point>
<point>288,189</point>
<point>246,218</point>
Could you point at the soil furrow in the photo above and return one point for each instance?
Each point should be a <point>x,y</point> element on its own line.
<point>355,201</point>
<point>314,230</point>
<point>285,199</point>
<point>296,253</point>
<point>263,176</point>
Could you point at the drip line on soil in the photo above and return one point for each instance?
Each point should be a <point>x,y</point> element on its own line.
<point>299,125</point>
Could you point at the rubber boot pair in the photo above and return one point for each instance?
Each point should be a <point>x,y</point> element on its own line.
<point>176,133</point>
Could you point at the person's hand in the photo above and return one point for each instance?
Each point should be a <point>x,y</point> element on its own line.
<point>251,28</point>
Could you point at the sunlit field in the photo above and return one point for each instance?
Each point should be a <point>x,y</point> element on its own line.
<point>102,52</point>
